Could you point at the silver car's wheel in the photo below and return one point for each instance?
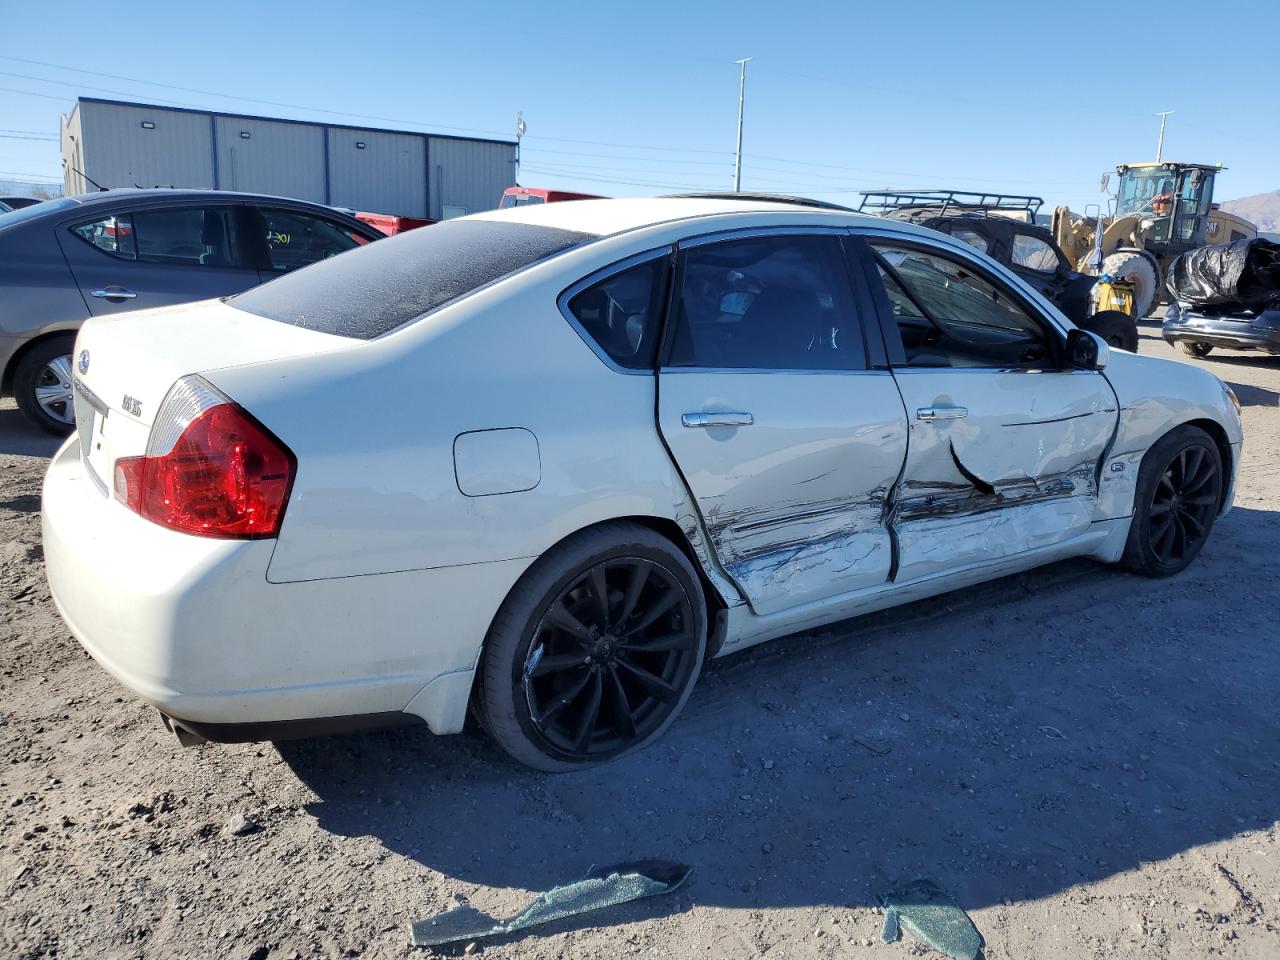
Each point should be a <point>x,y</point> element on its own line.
<point>53,390</point>
<point>42,385</point>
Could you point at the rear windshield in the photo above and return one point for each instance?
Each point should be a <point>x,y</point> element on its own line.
<point>368,291</point>
<point>36,210</point>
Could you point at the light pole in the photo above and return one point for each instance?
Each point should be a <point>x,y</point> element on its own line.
<point>742,91</point>
<point>1160,143</point>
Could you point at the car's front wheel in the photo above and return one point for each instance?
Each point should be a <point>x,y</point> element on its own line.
<point>1179,492</point>
<point>595,650</point>
<point>42,385</point>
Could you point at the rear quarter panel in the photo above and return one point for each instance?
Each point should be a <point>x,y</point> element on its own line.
<point>37,291</point>
<point>374,431</point>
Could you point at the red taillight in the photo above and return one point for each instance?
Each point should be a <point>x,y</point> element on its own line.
<point>225,477</point>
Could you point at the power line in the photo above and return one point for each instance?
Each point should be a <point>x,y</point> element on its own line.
<point>10,136</point>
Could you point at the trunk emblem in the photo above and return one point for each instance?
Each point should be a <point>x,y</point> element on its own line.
<point>83,364</point>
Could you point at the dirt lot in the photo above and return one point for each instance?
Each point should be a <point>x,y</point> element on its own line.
<point>1087,760</point>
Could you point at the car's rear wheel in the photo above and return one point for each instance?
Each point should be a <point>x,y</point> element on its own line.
<point>42,385</point>
<point>1195,349</point>
<point>595,650</point>
<point>1179,492</point>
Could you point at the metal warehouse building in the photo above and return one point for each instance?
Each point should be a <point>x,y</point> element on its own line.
<point>117,144</point>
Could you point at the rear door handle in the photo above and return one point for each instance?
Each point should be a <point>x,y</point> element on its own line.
<point>717,419</point>
<point>942,413</point>
<point>115,293</point>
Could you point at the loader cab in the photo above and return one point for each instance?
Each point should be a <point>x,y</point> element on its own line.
<point>1171,200</point>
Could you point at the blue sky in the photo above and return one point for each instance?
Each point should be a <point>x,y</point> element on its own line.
<point>634,99</point>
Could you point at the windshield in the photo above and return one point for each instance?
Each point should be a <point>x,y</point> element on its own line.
<point>1146,191</point>
<point>373,289</point>
<point>23,214</point>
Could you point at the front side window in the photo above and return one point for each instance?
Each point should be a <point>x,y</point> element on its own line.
<point>621,314</point>
<point>1032,253</point>
<point>949,316</point>
<point>297,239</point>
<point>773,303</point>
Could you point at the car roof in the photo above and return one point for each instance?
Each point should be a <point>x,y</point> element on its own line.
<point>168,193</point>
<point>607,217</point>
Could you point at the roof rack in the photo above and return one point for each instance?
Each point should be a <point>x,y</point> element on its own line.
<point>951,202</point>
<point>758,197</point>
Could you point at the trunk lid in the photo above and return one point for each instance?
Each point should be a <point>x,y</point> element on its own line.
<point>124,365</point>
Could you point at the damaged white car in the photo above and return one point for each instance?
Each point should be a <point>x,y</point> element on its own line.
<point>541,463</point>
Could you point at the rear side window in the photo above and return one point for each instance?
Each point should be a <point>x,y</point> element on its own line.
<point>375,288</point>
<point>620,314</point>
<point>1032,253</point>
<point>181,236</point>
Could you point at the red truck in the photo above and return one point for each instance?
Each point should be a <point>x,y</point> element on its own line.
<point>521,196</point>
<point>391,224</point>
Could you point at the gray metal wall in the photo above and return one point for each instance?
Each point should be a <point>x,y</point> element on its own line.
<point>394,172</point>
<point>380,172</point>
<point>118,152</point>
<point>282,159</point>
<point>468,175</point>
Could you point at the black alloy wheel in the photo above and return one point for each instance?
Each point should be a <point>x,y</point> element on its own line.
<point>610,658</point>
<point>1176,502</point>
<point>1183,505</point>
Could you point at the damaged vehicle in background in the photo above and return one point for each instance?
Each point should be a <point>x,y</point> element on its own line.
<point>543,463</point>
<point>1003,226</point>
<point>1225,295</point>
<point>109,252</point>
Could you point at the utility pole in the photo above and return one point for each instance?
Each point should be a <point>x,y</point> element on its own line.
<point>1160,143</point>
<point>521,127</point>
<point>742,91</point>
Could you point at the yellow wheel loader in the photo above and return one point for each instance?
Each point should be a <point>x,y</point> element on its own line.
<point>1162,210</point>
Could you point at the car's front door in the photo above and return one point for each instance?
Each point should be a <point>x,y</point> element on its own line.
<point>1005,441</point>
<point>787,437</point>
<point>155,256</point>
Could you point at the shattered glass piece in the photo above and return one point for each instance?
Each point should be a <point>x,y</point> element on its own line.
<point>927,912</point>
<point>600,887</point>
<point>890,933</point>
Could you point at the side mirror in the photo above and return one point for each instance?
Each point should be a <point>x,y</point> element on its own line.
<point>1087,351</point>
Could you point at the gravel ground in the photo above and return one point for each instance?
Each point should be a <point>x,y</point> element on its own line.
<point>1086,759</point>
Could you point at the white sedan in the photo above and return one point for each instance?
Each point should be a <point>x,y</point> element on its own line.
<point>541,463</point>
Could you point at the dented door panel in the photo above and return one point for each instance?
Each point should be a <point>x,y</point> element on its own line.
<point>1018,470</point>
<point>796,502</point>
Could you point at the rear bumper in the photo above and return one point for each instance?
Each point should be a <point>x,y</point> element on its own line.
<point>1256,333</point>
<point>192,625</point>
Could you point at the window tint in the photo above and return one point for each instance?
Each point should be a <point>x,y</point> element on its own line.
<point>1032,253</point>
<point>112,235</point>
<point>970,237</point>
<point>781,303</point>
<point>188,236</point>
<point>297,239</point>
<point>622,313</point>
<point>378,287</point>
<point>948,316</point>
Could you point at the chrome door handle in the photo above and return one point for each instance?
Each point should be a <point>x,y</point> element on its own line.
<point>115,293</point>
<point>942,413</point>
<point>717,419</point>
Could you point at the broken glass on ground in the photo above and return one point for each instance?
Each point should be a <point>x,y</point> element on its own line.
<point>931,915</point>
<point>601,887</point>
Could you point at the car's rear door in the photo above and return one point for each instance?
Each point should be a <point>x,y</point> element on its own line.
<point>788,437</point>
<point>1005,440</point>
<point>140,256</point>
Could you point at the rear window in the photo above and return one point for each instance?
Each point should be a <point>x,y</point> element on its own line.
<point>373,289</point>
<point>35,211</point>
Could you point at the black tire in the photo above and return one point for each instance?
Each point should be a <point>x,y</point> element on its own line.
<point>1142,273</point>
<point>1114,326</point>
<point>1181,479</point>
<point>1194,348</point>
<point>518,677</point>
<point>33,371</point>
